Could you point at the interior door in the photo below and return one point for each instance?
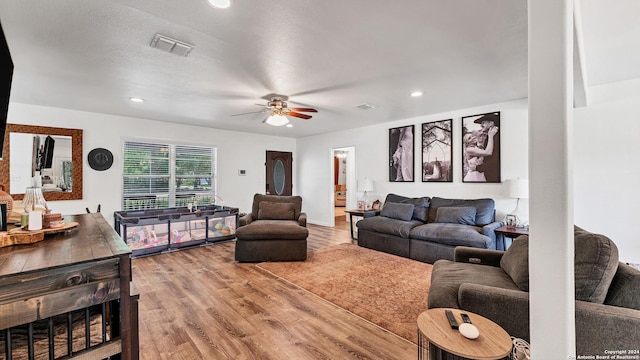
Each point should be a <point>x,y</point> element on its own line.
<point>279,173</point>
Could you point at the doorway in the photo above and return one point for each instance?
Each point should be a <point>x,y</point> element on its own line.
<point>343,184</point>
<point>279,176</point>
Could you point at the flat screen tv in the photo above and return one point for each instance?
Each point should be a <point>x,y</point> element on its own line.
<point>6,75</point>
<point>47,153</point>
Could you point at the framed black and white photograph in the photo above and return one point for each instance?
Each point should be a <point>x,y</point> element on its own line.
<point>437,151</point>
<point>401,158</point>
<point>481,148</point>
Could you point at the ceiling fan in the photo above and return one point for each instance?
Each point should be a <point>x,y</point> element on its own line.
<point>279,110</point>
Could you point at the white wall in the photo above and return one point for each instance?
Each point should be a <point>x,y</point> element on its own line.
<point>606,150</point>
<point>236,150</point>
<point>606,174</point>
<point>371,145</point>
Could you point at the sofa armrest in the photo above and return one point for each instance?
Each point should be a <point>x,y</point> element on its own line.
<point>490,231</point>
<point>302,219</point>
<point>602,327</point>
<point>245,220</point>
<point>477,256</point>
<point>507,308</point>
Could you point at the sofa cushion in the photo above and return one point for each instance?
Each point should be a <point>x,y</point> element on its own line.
<point>625,288</point>
<point>596,262</point>
<point>484,208</point>
<point>421,205</point>
<point>465,215</point>
<point>269,210</point>
<point>452,235</point>
<point>447,276</point>
<point>515,262</point>
<point>385,225</point>
<point>398,211</point>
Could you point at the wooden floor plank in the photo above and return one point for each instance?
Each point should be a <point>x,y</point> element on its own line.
<point>200,304</point>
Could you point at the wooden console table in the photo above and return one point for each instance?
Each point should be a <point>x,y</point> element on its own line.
<point>70,274</point>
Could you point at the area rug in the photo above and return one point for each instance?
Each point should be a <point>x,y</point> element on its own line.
<point>387,290</point>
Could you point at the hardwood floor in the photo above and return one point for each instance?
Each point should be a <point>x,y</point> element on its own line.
<point>201,304</point>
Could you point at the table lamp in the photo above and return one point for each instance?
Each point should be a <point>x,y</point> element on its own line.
<point>365,185</point>
<point>518,189</point>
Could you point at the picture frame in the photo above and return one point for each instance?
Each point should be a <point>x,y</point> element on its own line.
<point>511,221</point>
<point>481,148</point>
<point>401,154</point>
<point>437,151</point>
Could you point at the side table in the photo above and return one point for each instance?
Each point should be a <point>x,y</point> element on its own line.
<point>444,343</point>
<point>511,232</point>
<point>360,213</point>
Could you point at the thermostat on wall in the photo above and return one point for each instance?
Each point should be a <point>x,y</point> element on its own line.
<point>242,172</point>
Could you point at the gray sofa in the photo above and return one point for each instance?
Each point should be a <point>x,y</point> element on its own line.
<point>427,229</point>
<point>495,284</point>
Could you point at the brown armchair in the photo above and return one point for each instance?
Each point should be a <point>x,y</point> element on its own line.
<point>274,230</point>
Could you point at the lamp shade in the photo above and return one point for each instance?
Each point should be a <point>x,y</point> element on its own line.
<point>518,188</point>
<point>365,185</point>
<point>277,120</point>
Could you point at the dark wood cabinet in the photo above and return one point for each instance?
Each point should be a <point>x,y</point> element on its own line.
<point>80,281</point>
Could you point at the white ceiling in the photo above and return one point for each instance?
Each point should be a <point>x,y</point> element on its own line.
<point>92,55</point>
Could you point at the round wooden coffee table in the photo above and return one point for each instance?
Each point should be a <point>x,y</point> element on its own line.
<point>443,342</point>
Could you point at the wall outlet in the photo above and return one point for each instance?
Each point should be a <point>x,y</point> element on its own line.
<point>242,172</point>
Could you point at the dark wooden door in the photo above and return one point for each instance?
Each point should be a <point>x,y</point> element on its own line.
<point>279,173</point>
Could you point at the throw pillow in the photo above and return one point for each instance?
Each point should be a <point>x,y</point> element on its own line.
<point>268,210</point>
<point>398,211</point>
<point>515,262</point>
<point>456,215</point>
<point>421,208</point>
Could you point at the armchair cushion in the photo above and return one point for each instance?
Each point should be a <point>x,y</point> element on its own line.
<point>258,198</point>
<point>449,275</point>
<point>596,262</point>
<point>268,210</point>
<point>398,211</point>
<point>619,295</point>
<point>515,262</point>
<point>465,215</point>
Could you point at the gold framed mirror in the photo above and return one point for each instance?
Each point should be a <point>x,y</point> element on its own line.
<point>65,184</point>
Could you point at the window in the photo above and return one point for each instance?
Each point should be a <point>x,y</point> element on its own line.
<point>157,175</point>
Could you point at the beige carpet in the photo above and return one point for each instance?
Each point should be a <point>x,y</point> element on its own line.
<point>387,290</point>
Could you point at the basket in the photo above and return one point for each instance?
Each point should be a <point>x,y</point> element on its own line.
<point>48,218</point>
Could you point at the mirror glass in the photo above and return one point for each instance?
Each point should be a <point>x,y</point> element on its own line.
<point>52,155</point>
<point>44,156</point>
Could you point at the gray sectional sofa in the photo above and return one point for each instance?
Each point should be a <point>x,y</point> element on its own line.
<point>495,284</point>
<point>427,229</point>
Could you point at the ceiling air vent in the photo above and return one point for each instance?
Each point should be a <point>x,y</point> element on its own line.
<point>365,106</point>
<point>173,46</point>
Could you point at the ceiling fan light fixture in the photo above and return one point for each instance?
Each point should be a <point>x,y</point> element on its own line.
<point>277,120</point>
<point>220,4</point>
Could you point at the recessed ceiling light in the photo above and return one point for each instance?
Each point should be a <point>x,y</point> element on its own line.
<point>135,99</point>
<point>221,4</point>
<point>416,93</point>
<point>289,125</point>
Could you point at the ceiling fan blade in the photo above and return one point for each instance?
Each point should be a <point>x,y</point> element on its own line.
<point>298,115</point>
<point>252,112</point>
<point>303,109</point>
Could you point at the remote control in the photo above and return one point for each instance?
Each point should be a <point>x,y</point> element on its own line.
<point>465,318</point>
<point>452,319</point>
